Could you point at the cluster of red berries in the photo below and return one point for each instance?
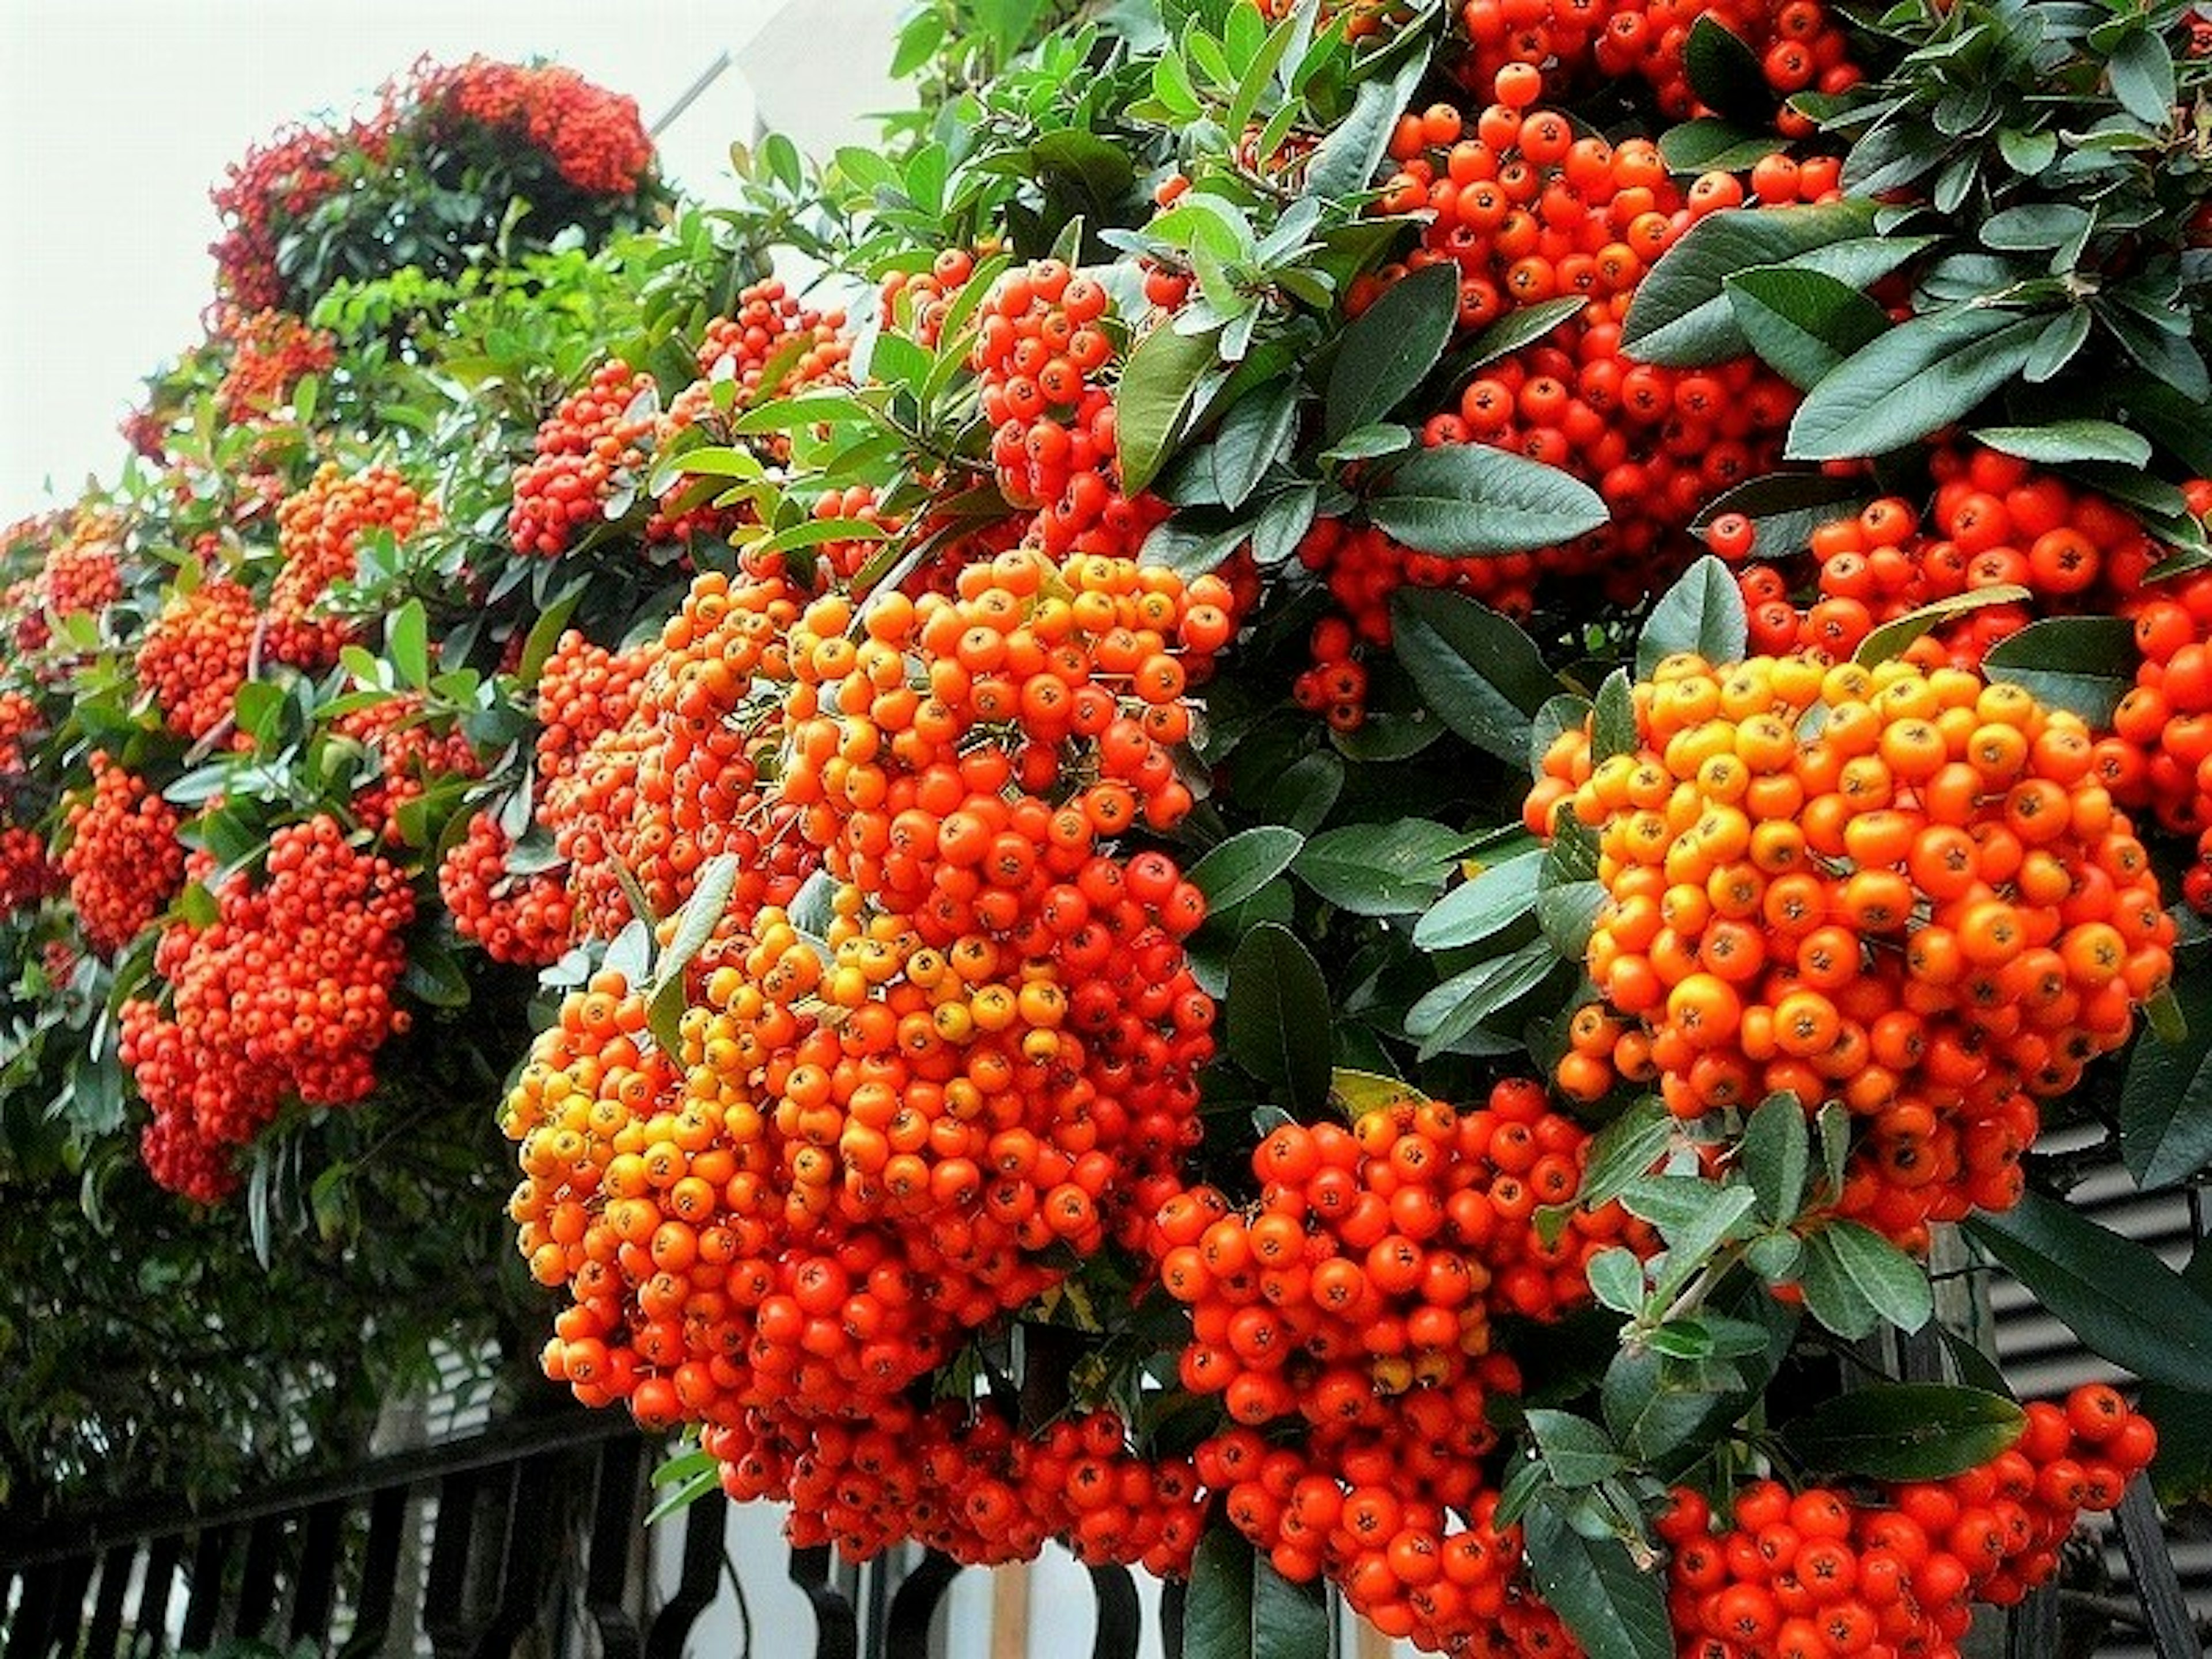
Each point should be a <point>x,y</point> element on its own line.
<point>594,138</point>
<point>968,1483</point>
<point>587,451</point>
<point>1357,1301</point>
<point>1996,521</point>
<point>517,917</point>
<point>1901,889</point>
<point>1819,1574</point>
<point>1042,353</point>
<point>20,720</point>
<point>289,993</point>
<point>1564,47</point>
<point>27,874</point>
<point>124,860</point>
<point>318,531</point>
<point>587,769</point>
<point>920,301</point>
<point>411,754</point>
<point>83,572</point>
<point>273,185</point>
<point>271,351</point>
<point>194,655</point>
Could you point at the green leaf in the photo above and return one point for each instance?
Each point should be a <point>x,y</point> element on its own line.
<point>2061,441</point>
<point>694,925</point>
<point>1785,509</point>
<point>2141,70</point>
<point>407,635</point>
<point>1890,1282</point>
<point>1496,898</point>
<point>1344,163</point>
<point>1159,385</point>
<point>2034,227</point>
<point>1482,676</point>
<point>1693,1239</point>
<point>1278,1016</point>
<point>1624,1150</point>
<point>1920,375</point>
<point>1614,1609</point>
<point>1703,613</point>
<point>1904,1431</point>
<point>1445,1016</point>
<point>1612,718</point>
<point>1523,326</point>
<point>1240,1608</point>
<point>1616,1278</point>
<point>2166,1100</point>
<point>1252,434</point>
<point>434,975</point>
<point>1389,349</point>
<point>1462,501</point>
<point>2084,665</point>
<point>1680,314</point>
<point>1890,639</point>
<point>1578,1451</point>
<point>1240,866</point>
<point>1710,145</point>
<point>1387,869</point>
<point>1802,322</point>
<point>1725,73</point>
<point>1778,1157</point>
<point>2113,1293</point>
<point>1357,1093</point>
<point>1568,912</point>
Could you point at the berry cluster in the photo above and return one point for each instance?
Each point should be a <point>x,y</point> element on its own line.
<point>587,761</point>
<point>1997,522</point>
<point>587,451</point>
<point>273,185</point>
<point>516,918</point>
<point>124,860</point>
<point>1896,889</point>
<point>1819,1573</point>
<point>83,571</point>
<point>27,874</point>
<point>968,1483</point>
<point>411,754</point>
<point>289,993</point>
<point>1562,46</point>
<point>1357,1301</point>
<point>318,531</point>
<point>594,138</point>
<point>196,654</point>
<point>271,351</point>
<point>920,300</point>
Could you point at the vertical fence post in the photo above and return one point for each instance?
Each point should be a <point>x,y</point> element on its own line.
<point>204,1607</point>
<point>380,1571</point>
<point>151,1632</point>
<point>257,1589</point>
<point>606,1570</point>
<point>836,1628</point>
<point>34,1613</point>
<point>704,1525</point>
<point>1120,1616</point>
<point>314,1595</point>
<point>447,1617</point>
<point>914,1604</point>
<point>107,1611</point>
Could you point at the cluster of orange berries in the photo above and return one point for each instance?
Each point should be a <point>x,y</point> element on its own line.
<point>1901,889</point>
<point>1567,46</point>
<point>20,719</point>
<point>1358,1300</point>
<point>124,860</point>
<point>969,1484</point>
<point>1820,1575</point>
<point>289,175</point>
<point>587,452</point>
<point>289,993</point>
<point>271,351</point>
<point>586,694</point>
<point>522,918</point>
<point>194,655</point>
<point>83,572</point>
<point>412,753</point>
<point>1997,522</point>
<point>318,531</point>
<point>921,301</point>
<point>1041,352</point>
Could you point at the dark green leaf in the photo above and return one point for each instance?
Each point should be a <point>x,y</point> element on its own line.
<point>1441,1020</point>
<point>1578,1452</point>
<point>1568,912</point>
<point>2061,441</point>
<point>1777,1156</point>
<point>1703,613</point>
<point>1892,637</point>
<point>2084,665</point>
<point>1278,1016</point>
<point>1252,434</point>
<point>408,637</point>
<point>2143,77</point>
<point>1680,314</point>
<point>1282,524</point>
<point>1614,1609</point>
<point>1785,509</point>
<point>1904,1431</point>
<point>1624,1150</point>
<point>1920,375</point>
<point>1463,500</point>
<point>1802,322</point>
<point>1158,388</point>
<point>1389,349</point>
<point>1612,718</point>
<point>1476,669</point>
<point>1494,900</point>
<point>1344,162</point>
<point>1240,866</point>
<point>1386,869</point>
<point>1710,145</point>
<point>2116,1295</point>
<point>1523,326</point>
<point>2166,1101</point>
<point>1725,73</point>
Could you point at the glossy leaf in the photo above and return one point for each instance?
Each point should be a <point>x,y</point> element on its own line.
<point>1703,613</point>
<point>1240,866</point>
<point>1387,869</point>
<point>2084,665</point>
<point>1920,375</point>
<point>2166,1099</point>
<point>1277,1018</point>
<point>1476,669</point>
<point>1801,322</point>
<point>1159,387</point>
<point>1493,900</point>
<point>1465,500</point>
<point>1612,1608</point>
<point>1389,349</point>
<point>1904,1431</point>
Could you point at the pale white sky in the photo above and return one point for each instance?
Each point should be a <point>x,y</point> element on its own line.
<point>117,115</point>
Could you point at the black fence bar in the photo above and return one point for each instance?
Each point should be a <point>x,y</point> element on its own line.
<point>107,1611</point>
